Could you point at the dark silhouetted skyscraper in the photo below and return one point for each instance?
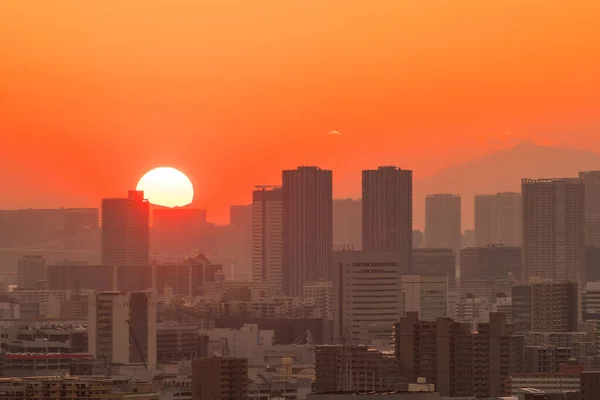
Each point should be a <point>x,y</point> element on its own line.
<point>267,235</point>
<point>125,230</point>
<point>387,212</point>
<point>443,221</point>
<point>307,227</point>
<point>553,228</point>
<point>591,180</point>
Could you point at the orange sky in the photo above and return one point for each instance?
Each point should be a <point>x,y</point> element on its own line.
<point>94,93</point>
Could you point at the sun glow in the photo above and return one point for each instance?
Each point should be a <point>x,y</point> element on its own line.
<point>167,187</point>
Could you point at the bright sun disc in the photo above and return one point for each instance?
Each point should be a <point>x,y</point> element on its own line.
<point>167,187</point>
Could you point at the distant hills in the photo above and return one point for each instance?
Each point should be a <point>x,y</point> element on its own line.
<point>501,171</point>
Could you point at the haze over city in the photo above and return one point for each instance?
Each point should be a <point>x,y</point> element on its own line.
<point>94,94</point>
<point>299,200</point>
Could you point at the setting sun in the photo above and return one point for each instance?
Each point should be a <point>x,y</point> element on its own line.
<point>167,187</point>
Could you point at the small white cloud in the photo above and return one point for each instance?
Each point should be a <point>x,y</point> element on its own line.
<point>334,132</point>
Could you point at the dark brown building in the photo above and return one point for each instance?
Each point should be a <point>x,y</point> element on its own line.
<point>590,385</point>
<point>427,261</point>
<point>440,351</point>
<point>460,363</point>
<point>220,378</point>
<point>354,368</point>
<point>387,212</point>
<point>307,227</point>
<point>490,262</point>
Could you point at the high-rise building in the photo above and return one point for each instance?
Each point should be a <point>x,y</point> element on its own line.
<point>347,223</point>
<point>224,378</point>
<point>555,306</point>
<point>490,262</point>
<point>125,230</point>
<point>240,240</point>
<point>267,235</point>
<point>592,263</point>
<point>187,278</point>
<point>591,180</point>
<point>307,227</point>
<point>498,219</point>
<point>460,363</point>
<point>31,269</point>
<point>509,218</point>
<point>553,228</point>
<point>387,212</point>
<point>443,221</point>
<point>367,298</point>
<point>435,262</point>
<point>425,294</point>
<point>443,343</point>
<point>122,327</point>
<point>485,215</point>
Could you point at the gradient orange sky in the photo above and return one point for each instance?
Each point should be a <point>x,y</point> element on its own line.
<point>94,93</point>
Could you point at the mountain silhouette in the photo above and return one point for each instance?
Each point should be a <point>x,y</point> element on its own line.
<point>501,171</point>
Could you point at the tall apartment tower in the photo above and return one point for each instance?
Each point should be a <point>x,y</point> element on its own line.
<point>387,212</point>
<point>443,222</point>
<point>347,223</point>
<point>591,180</point>
<point>307,227</point>
<point>126,231</point>
<point>267,235</point>
<point>367,294</point>
<point>122,327</point>
<point>485,216</point>
<point>553,228</point>
<point>498,219</point>
<point>223,378</point>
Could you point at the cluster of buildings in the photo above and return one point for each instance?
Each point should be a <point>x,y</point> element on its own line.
<point>307,297</point>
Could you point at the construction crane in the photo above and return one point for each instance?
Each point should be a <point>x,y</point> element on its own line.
<point>137,345</point>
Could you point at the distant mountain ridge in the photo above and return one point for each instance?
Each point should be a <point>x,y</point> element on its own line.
<point>501,171</point>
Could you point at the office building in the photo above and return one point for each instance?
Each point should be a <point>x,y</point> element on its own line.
<point>176,342</point>
<point>425,294</point>
<point>498,219</point>
<point>267,235</point>
<point>31,272</point>
<point>443,221</point>
<point>238,238</point>
<point>367,294</point>
<point>522,307</point>
<point>76,276</point>
<point>591,301</point>
<point>427,261</point>
<point>347,224</point>
<point>555,306</point>
<point>125,230</point>
<point>351,368</point>
<point>553,228</point>
<point>122,327</point>
<point>467,239</point>
<point>223,378</point>
<point>387,212</point>
<point>307,227</point>
<point>490,262</point>
<point>591,181</point>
